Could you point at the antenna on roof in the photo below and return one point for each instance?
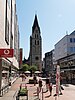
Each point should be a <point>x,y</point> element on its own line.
<point>66,32</point>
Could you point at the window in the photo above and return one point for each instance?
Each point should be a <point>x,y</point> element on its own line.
<point>71,49</point>
<point>35,35</point>
<point>74,39</point>
<point>9,3</point>
<point>36,58</point>
<point>7,33</point>
<point>38,42</point>
<point>74,49</point>
<point>35,42</point>
<point>36,31</point>
<point>71,40</point>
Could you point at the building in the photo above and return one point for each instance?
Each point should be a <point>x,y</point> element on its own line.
<point>9,39</point>
<point>66,46</point>
<point>36,45</point>
<point>49,59</point>
<point>65,55</point>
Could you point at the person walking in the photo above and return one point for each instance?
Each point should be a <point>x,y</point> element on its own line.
<point>40,85</point>
<point>47,84</point>
<point>50,88</point>
<point>35,80</point>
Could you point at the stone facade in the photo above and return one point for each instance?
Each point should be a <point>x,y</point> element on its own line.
<point>36,45</point>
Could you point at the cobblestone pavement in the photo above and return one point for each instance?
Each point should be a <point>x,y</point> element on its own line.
<point>68,92</point>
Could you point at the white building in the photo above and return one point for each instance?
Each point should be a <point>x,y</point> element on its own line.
<point>9,38</point>
<point>65,47</point>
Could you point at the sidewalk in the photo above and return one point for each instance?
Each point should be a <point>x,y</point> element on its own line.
<point>10,95</point>
<point>68,92</point>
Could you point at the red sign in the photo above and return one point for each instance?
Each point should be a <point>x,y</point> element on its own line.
<point>6,52</point>
<point>20,56</point>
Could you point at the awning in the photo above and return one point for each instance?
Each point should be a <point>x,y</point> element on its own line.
<point>5,71</point>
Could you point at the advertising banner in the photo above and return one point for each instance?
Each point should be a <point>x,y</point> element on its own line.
<point>6,53</point>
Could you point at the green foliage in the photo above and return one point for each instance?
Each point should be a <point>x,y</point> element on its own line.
<point>33,68</point>
<point>26,67</point>
<point>23,91</point>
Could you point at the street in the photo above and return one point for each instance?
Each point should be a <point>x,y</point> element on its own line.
<point>68,92</point>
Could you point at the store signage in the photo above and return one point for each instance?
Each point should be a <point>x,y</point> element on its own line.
<point>6,52</point>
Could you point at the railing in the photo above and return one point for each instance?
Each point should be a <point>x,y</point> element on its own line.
<point>4,90</point>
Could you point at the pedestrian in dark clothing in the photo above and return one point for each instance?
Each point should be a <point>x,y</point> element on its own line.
<point>50,88</point>
<point>40,85</point>
<point>47,84</point>
<point>35,80</point>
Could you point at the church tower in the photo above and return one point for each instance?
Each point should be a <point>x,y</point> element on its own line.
<point>36,45</point>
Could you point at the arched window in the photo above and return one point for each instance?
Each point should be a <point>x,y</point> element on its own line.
<point>35,42</point>
<point>35,35</point>
<point>38,42</point>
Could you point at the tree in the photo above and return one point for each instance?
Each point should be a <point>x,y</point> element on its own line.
<point>26,67</point>
<point>33,68</point>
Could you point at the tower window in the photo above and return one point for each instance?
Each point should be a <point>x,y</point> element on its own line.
<point>36,58</point>
<point>35,42</point>
<point>35,35</point>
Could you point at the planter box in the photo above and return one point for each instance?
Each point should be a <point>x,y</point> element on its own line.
<point>23,92</point>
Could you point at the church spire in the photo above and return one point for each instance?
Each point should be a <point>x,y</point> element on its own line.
<point>35,24</point>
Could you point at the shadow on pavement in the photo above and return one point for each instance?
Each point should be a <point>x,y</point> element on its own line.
<point>47,96</point>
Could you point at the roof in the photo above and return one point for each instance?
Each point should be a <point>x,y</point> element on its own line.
<point>35,24</point>
<point>73,33</point>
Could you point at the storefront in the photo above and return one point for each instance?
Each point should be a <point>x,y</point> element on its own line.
<point>7,73</point>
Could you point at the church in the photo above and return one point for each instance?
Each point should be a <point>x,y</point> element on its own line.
<point>35,56</point>
<point>35,53</point>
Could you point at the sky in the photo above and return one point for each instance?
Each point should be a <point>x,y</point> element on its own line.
<point>56,18</point>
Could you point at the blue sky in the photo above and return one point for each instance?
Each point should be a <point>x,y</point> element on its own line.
<point>55,17</point>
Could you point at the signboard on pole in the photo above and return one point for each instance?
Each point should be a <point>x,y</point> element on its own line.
<point>58,80</point>
<point>6,52</point>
